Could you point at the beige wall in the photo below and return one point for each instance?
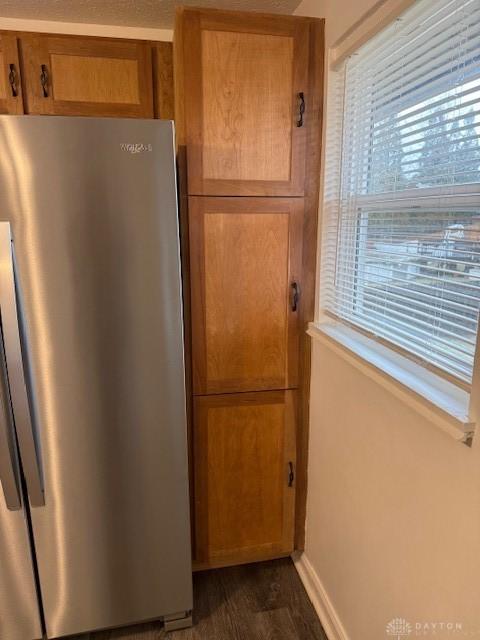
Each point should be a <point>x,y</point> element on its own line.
<point>393,525</point>
<point>393,516</point>
<point>340,15</point>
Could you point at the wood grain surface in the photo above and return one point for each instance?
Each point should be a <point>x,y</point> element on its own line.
<point>242,75</point>
<point>241,351</point>
<point>163,80</point>
<point>245,255</point>
<point>88,76</point>
<point>309,257</point>
<point>95,79</point>
<point>247,106</point>
<point>244,444</point>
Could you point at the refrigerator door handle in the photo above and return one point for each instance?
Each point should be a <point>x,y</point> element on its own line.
<point>9,472</point>
<point>29,453</point>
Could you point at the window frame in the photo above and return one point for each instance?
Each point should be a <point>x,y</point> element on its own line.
<point>459,195</point>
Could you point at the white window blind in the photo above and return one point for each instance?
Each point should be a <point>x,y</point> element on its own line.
<point>401,250</point>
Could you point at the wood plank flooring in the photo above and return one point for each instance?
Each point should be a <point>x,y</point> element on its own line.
<point>263,601</point>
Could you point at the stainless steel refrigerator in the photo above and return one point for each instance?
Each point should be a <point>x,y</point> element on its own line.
<point>94,516</point>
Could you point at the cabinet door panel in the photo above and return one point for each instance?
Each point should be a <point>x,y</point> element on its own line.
<point>244,498</point>
<point>89,77</point>
<point>86,79</point>
<point>247,133</point>
<point>245,256</point>
<point>11,100</point>
<point>243,77</point>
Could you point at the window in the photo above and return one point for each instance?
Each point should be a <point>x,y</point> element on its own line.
<point>401,251</point>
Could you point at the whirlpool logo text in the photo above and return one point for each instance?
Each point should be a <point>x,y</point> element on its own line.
<point>136,147</point>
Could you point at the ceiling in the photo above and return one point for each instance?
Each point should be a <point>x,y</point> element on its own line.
<point>131,13</point>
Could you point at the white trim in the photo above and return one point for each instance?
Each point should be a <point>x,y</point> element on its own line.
<point>83,29</point>
<point>464,194</point>
<point>440,401</point>
<point>319,598</point>
<point>383,13</point>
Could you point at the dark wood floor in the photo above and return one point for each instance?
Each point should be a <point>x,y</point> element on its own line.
<point>264,601</point>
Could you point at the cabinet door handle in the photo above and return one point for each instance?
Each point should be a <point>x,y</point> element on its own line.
<point>291,475</point>
<point>12,79</point>
<point>295,295</point>
<point>44,80</point>
<point>301,110</point>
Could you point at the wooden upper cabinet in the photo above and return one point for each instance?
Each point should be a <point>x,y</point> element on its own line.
<point>67,75</point>
<point>11,100</point>
<point>244,476</point>
<point>245,262</point>
<point>244,84</point>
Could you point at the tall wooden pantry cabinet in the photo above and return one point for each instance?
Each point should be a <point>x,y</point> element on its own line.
<point>248,114</point>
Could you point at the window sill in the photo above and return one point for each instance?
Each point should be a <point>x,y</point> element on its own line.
<point>440,401</point>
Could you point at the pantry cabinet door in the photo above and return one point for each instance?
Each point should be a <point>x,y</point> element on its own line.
<point>244,477</point>
<point>11,100</point>
<point>245,264</point>
<point>74,76</point>
<point>245,85</point>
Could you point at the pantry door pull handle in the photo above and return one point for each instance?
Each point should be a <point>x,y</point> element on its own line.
<point>301,110</point>
<point>295,295</point>
<point>12,79</point>
<point>44,80</point>
<point>291,475</point>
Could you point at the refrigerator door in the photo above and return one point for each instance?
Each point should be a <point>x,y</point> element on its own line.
<point>92,210</point>
<point>19,609</point>
<point>19,612</point>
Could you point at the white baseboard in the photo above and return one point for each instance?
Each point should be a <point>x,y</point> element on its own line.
<point>319,598</point>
